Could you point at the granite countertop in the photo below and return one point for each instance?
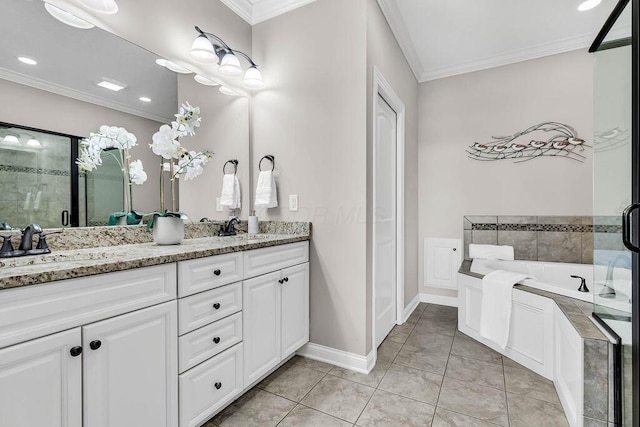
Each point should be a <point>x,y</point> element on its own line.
<point>68,264</point>
<point>575,310</point>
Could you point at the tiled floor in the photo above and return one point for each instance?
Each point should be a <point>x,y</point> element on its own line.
<point>427,374</point>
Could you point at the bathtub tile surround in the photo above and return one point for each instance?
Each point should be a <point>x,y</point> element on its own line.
<point>472,386</point>
<point>545,238</point>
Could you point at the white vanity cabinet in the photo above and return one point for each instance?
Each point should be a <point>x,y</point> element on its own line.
<point>276,308</point>
<point>115,365</point>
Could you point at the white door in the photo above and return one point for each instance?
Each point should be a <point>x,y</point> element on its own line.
<point>295,308</point>
<point>261,325</point>
<point>41,382</point>
<point>131,369</point>
<point>384,249</point>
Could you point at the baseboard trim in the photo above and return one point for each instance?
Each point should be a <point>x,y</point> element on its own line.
<point>439,299</point>
<point>413,304</point>
<point>343,359</point>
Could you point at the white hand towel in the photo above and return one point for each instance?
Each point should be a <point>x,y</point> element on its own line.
<point>491,252</point>
<point>230,196</point>
<point>266,193</point>
<point>495,309</point>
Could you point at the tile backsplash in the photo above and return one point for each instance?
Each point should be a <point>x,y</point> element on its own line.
<point>545,238</point>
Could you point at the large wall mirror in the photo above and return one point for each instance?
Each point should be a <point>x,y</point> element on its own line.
<point>48,107</point>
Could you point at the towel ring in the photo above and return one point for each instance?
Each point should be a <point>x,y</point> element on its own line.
<point>234,162</point>
<point>271,159</point>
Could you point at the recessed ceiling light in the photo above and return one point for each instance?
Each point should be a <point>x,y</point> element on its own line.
<point>204,81</point>
<point>112,85</point>
<point>588,4</point>
<point>11,139</point>
<point>67,18</point>
<point>177,68</point>
<point>27,60</point>
<point>34,143</point>
<point>145,99</point>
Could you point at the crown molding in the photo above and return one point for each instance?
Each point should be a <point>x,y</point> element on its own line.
<point>256,11</point>
<point>78,95</point>
<point>242,8</point>
<point>399,30</point>
<point>535,52</point>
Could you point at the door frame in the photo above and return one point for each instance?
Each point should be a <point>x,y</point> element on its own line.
<point>382,87</point>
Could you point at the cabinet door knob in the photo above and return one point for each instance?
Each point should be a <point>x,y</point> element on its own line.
<point>94,345</point>
<point>281,281</point>
<point>216,340</point>
<point>76,351</point>
<point>217,385</point>
<point>217,272</point>
<point>216,305</point>
<point>286,279</point>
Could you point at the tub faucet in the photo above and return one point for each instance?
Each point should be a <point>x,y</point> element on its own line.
<point>608,291</point>
<point>583,283</point>
<point>26,244</point>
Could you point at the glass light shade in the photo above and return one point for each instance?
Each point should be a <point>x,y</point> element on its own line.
<point>204,81</point>
<point>161,62</point>
<point>34,143</point>
<point>253,78</point>
<point>202,50</point>
<point>108,7</point>
<point>11,139</point>
<point>230,65</point>
<point>589,4</point>
<point>227,91</point>
<point>67,18</point>
<point>177,68</point>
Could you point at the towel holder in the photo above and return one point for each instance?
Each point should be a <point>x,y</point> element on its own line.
<point>234,162</point>
<point>271,159</point>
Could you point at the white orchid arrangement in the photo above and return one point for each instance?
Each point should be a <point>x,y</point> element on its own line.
<point>166,143</point>
<point>106,140</point>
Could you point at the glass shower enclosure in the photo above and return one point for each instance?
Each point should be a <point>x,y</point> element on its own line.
<point>616,197</point>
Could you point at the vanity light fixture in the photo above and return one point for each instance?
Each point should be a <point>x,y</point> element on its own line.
<point>588,4</point>
<point>34,143</point>
<point>204,50</point>
<point>108,7</point>
<point>27,60</point>
<point>111,85</point>
<point>205,81</point>
<point>11,140</point>
<point>145,99</point>
<point>67,18</point>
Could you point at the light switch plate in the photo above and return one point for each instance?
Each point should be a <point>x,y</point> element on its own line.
<point>293,203</point>
<point>218,207</point>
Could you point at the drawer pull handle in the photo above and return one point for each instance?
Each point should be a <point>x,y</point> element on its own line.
<point>217,272</point>
<point>281,281</point>
<point>216,305</point>
<point>76,351</point>
<point>216,340</point>
<point>218,385</point>
<point>94,345</point>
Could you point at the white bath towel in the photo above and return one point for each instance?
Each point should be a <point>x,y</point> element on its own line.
<point>495,309</point>
<point>266,193</point>
<point>230,196</point>
<point>491,252</point>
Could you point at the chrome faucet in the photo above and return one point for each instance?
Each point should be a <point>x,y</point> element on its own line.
<point>228,228</point>
<point>26,244</point>
<point>608,291</point>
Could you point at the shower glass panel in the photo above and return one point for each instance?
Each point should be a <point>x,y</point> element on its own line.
<point>613,193</point>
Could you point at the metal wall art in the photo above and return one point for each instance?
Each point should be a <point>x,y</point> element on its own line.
<point>611,139</point>
<point>549,139</point>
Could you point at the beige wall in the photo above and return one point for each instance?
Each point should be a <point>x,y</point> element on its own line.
<point>455,112</point>
<point>383,52</point>
<point>312,117</point>
<point>45,110</point>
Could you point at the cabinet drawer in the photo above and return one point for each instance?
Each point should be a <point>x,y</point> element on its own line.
<point>266,260</point>
<point>35,311</point>
<point>202,274</point>
<point>200,310</point>
<point>199,345</point>
<point>208,387</point>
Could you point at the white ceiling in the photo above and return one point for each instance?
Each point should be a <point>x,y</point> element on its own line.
<point>442,38</point>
